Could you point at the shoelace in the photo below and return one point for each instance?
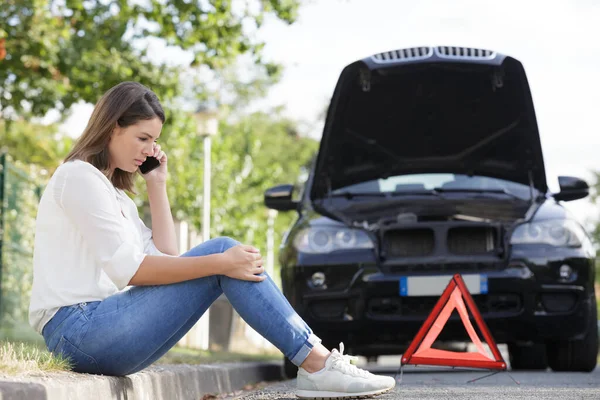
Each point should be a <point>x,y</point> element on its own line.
<point>343,361</point>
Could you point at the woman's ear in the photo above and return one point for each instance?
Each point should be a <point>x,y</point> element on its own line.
<point>115,131</point>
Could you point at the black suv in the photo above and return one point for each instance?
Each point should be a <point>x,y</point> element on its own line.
<point>430,164</point>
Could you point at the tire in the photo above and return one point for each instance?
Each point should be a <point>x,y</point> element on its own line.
<point>527,357</point>
<point>290,370</point>
<point>577,355</point>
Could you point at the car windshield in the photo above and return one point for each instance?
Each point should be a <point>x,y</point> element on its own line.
<point>441,182</point>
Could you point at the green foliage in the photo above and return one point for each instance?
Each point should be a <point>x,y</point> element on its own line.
<point>18,212</point>
<point>61,51</point>
<point>31,143</point>
<point>250,156</point>
<point>35,151</point>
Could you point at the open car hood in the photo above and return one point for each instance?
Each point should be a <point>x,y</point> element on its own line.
<point>430,110</point>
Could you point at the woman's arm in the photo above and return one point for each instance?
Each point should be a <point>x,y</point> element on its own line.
<point>239,262</point>
<point>162,270</point>
<point>163,228</point>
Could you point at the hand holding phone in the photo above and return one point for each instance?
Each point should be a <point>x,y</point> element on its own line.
<point>150,164</point>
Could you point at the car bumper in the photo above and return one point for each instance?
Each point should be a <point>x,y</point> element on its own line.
<point>370,316</point>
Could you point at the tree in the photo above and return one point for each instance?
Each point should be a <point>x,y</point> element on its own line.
<point>250,156</point>
<point>57,52</point>
<point>33,143</point>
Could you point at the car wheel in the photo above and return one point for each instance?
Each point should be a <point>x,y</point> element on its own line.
<point>527,357</point>
<point>576,355</point>
<point>290,370</point>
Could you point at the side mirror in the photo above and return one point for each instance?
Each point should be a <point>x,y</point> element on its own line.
<point>280,198</point>
<point>571,188</point>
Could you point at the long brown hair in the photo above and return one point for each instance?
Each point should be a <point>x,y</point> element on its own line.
<point>124,104</point>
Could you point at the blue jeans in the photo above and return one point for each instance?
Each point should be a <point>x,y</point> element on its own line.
<point>130,330</point>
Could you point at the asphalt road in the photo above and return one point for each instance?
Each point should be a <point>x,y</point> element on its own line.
<point>429,382</point>
<point>435,383</point>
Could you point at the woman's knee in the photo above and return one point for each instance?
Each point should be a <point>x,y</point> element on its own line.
<point>212,246</point>
<point>226,242</point>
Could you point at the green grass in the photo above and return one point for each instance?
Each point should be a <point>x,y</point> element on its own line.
<point>26,358</point>
<point>22,351</point>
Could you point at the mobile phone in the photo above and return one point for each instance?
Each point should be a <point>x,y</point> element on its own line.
<point>150,164</point>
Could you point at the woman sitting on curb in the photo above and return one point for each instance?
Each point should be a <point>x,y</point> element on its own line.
<point>114,296</point>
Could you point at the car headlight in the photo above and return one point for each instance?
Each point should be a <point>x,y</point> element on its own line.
<point>560,233</point>
<point>327,239</point>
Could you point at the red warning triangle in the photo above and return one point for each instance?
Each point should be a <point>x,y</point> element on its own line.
<point>451,299</point>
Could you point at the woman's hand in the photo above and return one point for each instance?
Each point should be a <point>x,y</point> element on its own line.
<point>158,175</point>
<point>243,262</point>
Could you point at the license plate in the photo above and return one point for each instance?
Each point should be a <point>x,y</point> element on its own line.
<point>435,285</point>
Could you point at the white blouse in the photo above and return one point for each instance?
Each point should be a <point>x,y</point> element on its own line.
<point>89,241</point>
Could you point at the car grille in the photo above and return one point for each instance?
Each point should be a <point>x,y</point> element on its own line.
<point>463,52</point>
<point>388,307</point>
<point>413,53</point>
<point>459,240</point>
<point>451,268</point>
<point>476,240</point>
<point>419,53</point>
<point>410,243</point>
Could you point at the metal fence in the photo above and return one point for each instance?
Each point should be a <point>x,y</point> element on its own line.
<point>19,198</point>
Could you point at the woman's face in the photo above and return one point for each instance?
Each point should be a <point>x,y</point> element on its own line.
<point>128,147</point>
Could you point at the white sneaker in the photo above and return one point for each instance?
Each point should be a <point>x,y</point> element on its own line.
<point>341,380</point>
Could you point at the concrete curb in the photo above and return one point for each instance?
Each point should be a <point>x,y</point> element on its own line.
<point>154,383</point>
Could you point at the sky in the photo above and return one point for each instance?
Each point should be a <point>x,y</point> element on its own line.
<point>558,43</point>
